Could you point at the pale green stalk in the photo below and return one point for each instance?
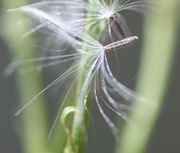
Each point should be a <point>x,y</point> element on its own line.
<point>34,133</point>
<point>157,56</point>
<point>81,118</point>
<point>80,125</point>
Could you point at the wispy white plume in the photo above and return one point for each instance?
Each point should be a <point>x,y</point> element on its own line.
<point>54,15</point>
<point>74,13</point>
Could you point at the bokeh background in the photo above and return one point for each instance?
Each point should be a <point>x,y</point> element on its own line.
<point>166,135</point>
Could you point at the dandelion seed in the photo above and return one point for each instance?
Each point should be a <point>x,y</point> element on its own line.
<point>73,31</point>
<point>99,66</point>
<point>108,14</point>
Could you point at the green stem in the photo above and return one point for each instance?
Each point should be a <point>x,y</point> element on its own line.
<point>81,118</point>
<point>34,134</point>
<point>160,38</point>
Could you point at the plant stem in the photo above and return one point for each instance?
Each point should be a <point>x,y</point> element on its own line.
<point>34,134</point>
<point>160,38</point>
<point>81,118</point>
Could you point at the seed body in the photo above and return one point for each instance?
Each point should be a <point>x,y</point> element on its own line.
<point>117,27</point>
<point>121,43</point>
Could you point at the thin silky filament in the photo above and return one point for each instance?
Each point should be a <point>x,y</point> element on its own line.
<point>56,81</point>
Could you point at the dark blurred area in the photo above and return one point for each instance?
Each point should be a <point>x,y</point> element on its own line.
<point>165,137</point>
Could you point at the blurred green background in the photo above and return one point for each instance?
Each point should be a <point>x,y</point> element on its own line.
<point>166,135</point>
